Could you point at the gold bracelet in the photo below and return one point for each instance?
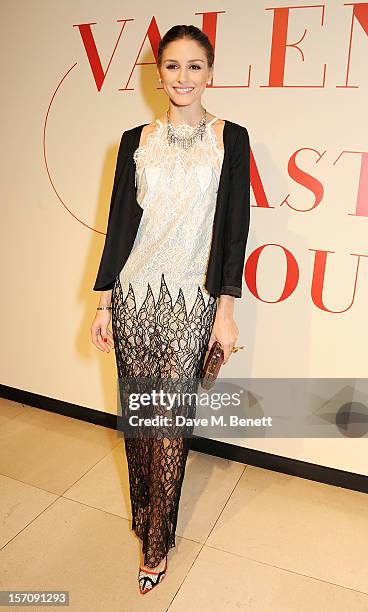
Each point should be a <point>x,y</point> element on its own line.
<point>104,307</point>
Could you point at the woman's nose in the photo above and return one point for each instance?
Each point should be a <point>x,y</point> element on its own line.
<point>182,75</point>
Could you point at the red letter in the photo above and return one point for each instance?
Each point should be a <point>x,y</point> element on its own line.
<point>279,45</point>
<point>303,178</point>
<point>292,273</point>
<point>154,37</point>
<point>318,280</point>
<point>92,53</point>
<point>360,11</point>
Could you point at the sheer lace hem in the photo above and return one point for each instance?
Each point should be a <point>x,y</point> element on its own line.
<point>161,340</point>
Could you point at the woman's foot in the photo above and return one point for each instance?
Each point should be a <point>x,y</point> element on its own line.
<point>157,568</point>
<point>149,577</point>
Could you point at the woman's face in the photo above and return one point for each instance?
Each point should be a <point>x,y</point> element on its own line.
<point>184,71</point>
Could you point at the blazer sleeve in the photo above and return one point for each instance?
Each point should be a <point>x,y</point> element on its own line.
<point>237,217</point>
<point>117,175</point>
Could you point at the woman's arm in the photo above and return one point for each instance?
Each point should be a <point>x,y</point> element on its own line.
<point>101,335</point>
<point>105,299</point>
<point>226,305</point>
<point>100,283</point>
<point>225,329</point>
<point>237,216</point>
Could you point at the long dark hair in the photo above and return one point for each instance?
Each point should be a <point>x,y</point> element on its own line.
<point>178,32</point>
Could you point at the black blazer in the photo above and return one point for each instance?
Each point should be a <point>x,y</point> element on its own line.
<point>230,225</point>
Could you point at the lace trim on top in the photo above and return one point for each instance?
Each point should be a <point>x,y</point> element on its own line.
<point>158,152</point>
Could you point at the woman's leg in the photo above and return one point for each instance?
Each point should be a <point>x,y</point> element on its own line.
<point>162,342</point>
<point>168,460</point>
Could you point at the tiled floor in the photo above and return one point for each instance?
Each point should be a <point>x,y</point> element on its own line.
<point>247,538</point>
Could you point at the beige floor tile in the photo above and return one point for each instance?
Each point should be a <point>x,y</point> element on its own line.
<point>93,555</point>
<point>51,451</point>
<point>299,525</point>
<point>207,485</point>
<point>9,410</point>
<point>106,485</point>
<point>220,581</point>
<point>20,505</point>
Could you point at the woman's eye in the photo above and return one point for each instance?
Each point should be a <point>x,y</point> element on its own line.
<point>169,66</point>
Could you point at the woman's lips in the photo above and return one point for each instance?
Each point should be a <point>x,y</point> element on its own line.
<point>183,90</point>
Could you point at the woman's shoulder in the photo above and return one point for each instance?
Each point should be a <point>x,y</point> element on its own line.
<point>237,136</point>
<point>140,132</point>
<point>235,128</point>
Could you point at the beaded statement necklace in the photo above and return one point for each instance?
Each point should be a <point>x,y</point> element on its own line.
<point>186,141</point>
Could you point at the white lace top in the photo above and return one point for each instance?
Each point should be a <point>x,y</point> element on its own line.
<point>177,189</point>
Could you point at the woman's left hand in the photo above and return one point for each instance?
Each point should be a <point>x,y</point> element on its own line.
<point>225,331</point>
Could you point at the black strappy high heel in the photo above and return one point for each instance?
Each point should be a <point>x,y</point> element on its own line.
<point>148,580</point>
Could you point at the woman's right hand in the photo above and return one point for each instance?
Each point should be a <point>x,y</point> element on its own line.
<point>101,336</point>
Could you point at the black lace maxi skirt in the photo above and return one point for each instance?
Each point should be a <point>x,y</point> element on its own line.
<point>161,342</point>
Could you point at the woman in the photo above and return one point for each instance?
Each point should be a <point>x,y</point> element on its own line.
<point>174,246</point>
